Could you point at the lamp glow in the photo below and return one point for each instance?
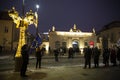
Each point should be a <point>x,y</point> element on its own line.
<point>37,6</point>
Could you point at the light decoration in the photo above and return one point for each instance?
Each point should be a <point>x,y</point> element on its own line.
<point>76,34</point>
<point>22,23</point>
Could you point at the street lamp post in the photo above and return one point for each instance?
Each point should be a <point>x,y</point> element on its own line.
<point>21,23</point>
<point>36,14</point>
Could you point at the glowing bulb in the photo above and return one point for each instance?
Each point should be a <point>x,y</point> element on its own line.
<point>37,6</point>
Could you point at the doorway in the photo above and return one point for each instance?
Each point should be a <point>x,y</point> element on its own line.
<point>75,45</point>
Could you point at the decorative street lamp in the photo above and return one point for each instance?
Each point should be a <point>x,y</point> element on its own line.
<point>22,23</point>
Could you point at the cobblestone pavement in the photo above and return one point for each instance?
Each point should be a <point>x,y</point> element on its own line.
<point>65,69</point>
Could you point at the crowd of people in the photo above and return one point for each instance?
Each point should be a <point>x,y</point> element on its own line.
<point>111,55</point>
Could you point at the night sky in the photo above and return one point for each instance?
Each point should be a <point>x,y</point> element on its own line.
<point>63,14</point>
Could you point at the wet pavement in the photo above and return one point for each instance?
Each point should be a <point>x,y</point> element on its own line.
<point>65,69</point>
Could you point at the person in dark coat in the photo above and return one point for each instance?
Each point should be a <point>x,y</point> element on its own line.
<point>87,56</point>
<point>96,55</point>
<point>25,60</point>
<point>38,57</point>
<point>70,52</point>
<point>43,50</point>
<point>56,53</point>
<point>106,55</point>
<point>118,55</point>
<point>0,49</point>
<point>113,56</point>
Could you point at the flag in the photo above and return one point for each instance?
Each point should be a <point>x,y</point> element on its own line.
<point>37,41</point>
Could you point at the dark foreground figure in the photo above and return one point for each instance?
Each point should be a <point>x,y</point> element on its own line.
<point>38,57</point>
<point>87,56</point>
<point>25,59</point>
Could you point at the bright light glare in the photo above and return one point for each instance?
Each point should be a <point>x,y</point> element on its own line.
<point>37,6</point>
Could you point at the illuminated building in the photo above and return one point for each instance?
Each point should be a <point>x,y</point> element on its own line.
<point>74,38</point>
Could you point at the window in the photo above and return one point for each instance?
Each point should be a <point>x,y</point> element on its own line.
<point>85,43</point>
<point>57,44</point>
<point>6,29</point>
<point>64,44</point>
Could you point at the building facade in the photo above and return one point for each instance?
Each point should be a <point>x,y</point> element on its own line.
<point>74,38</point>
<point>8,32</point>
<point>110,35</point>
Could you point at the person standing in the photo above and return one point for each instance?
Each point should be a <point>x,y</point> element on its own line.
<point>96,55</point>
<point>38,57</point>
<point>118,55</point>
<point>87,56</point>
<point>43,50</point>
<point>25,60</point>
<point>56,53</point>
<point>0,49</point>
<point>14,53</point>
<point>113,56</point>
<point>70,53</point>
<point>106,55</point>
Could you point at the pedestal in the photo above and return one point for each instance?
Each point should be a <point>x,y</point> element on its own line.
<point>18,64</point>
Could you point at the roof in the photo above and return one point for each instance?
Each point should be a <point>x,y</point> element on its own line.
<point>111,25</point>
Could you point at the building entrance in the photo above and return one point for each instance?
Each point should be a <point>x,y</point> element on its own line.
<point>75,45</point>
